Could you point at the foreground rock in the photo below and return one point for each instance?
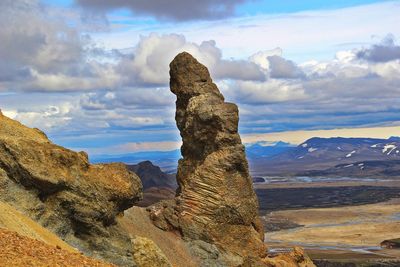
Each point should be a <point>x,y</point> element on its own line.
<point>215,209</point>
<point>63,192</point>
<point>147,254</point>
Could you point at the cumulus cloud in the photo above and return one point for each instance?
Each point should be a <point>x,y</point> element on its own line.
<point>45,118</point>
<point>342,92</point>
<point>143,98</point>
<point>386,51</point>
<point>178,10</point>
<point>149,64</point>
<point>283,68</point>
<point>262,93</point>
<point>40,52</point>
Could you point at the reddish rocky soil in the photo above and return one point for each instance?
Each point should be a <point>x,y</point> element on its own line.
<point>20,251</point>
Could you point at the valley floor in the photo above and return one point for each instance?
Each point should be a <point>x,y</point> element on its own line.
<point>338,231</point>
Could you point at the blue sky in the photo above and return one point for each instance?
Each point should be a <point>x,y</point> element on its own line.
<point>263,7</point>
<point>289,6</point>
<point>93,74</point>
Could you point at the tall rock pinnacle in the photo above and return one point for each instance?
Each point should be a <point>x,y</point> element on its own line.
<point>215,209</point>
<point>215,200</point>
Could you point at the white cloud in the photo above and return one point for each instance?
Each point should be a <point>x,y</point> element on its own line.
<point>40,52</point>
<point>131,147</point>
<point>303,36</point>
<point>261,57</point>
<point>46,119</point>
<point>152,55</point>
<point>386,51</point>
<point>273,91</point>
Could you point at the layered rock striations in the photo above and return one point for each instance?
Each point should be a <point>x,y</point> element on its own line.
<point>63,192</point>
<point>215,200</point>
<point>215,208</point>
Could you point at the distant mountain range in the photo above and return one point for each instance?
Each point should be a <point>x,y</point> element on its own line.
<point>334,156</point>
<point>315,157</point>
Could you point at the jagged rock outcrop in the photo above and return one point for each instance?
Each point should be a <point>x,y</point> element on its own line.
<point>216,208</point>
<point>63,192</point>
<point>215,202</point>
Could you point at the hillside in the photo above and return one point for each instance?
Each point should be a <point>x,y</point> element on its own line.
<point>152,175</point>
<point>21,251</point>
<point>15,221</point>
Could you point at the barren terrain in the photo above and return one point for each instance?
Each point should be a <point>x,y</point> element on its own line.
<point>340,232</point>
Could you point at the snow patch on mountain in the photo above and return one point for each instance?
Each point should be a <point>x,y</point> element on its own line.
<point>350,154</point>
<point>389,149</point>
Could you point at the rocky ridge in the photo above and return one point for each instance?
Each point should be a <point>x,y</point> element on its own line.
<point>59,189</point>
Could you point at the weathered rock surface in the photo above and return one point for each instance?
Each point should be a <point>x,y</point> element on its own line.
<point>136,222</point>
<point>296,258</point>
<point>147,254</point>
<point>215,202</point>
<point>216,208</point>
<point>63,192</point>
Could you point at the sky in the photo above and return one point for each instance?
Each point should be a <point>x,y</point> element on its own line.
<point>93,74</point>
